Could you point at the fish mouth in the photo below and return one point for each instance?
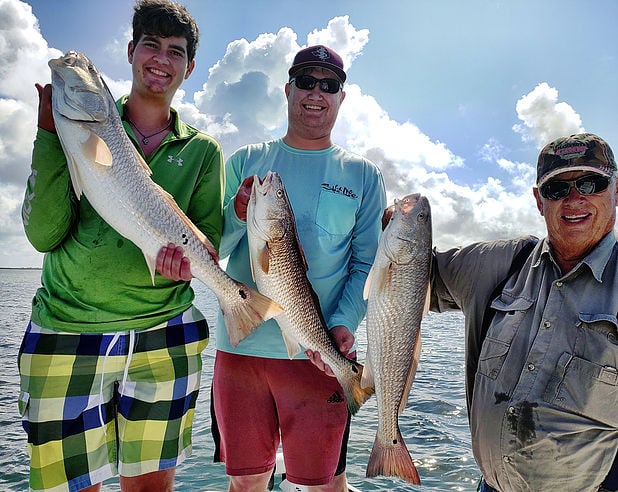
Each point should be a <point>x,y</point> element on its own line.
<point>407,203</point>
<point>69,59</point>
<point>264,185</point>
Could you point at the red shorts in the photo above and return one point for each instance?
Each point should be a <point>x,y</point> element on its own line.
<point>257,399</point>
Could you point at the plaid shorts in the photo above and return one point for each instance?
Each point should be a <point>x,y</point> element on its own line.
<point>95,405</point>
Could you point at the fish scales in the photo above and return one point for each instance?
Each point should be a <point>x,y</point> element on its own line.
<point>106,167</point>
<point>397,289</point>
<point>280,272</point>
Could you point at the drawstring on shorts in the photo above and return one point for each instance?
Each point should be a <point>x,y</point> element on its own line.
<point>111,345</point>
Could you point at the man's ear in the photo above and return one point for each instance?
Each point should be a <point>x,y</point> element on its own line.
<point>190,68</point>
<point>130,49</point>
<point>539,202</point>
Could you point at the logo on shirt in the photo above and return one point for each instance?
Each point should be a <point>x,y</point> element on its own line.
<point>171,159</point>
<point>339,190</point>
<point>335,398</point>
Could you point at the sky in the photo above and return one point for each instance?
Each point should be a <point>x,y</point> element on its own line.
<point>451,98</point>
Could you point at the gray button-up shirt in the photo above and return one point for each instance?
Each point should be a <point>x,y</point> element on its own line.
<point>544,411</point>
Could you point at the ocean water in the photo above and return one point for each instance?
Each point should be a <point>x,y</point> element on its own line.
<point>434,423</point>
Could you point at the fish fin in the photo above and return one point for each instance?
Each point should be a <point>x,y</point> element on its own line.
<point>187,222</point>
<point>378,279</point>
<point>263,258</point>
<point>259,256</point>
<point>245,313</point>
<point>367,380</point>
<point>291,344</point>
<point>151,262</point>
<point>383,277</point>
<point>355,393</point>
<point>392,460</point>
<point>97,151</point>
<point>368,282</point>
<point>416,355</point>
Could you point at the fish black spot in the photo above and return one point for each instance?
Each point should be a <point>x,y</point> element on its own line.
<point>185,239</point>
<point>242,293</point>
<point>394,441</point>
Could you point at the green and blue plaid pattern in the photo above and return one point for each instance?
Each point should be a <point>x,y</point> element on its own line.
<point>86,422</point>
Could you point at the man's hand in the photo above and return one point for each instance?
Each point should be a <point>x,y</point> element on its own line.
<point>344,339</point>
<point>46,117</point>
<point>387,215</point>
<point>173,264</point>
<point>242,198</point>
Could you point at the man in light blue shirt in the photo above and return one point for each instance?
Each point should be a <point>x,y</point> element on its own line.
<point>337,199</point>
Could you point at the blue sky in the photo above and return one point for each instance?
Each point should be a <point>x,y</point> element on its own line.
<point>451,98</point>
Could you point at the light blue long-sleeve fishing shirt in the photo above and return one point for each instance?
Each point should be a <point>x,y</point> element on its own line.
<point>338,199</point>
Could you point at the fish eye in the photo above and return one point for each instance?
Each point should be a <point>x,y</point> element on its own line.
<point>279,193</point>
<point>420,217</point>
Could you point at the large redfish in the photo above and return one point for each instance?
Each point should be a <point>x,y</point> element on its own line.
<point>280,272</point>
<point>396,289</point>
<point>107,169</point>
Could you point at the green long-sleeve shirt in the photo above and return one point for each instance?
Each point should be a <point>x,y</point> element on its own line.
<point>93,279</point>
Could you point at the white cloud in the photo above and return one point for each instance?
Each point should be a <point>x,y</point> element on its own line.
<point>242,101</point>
<point>544,118</point>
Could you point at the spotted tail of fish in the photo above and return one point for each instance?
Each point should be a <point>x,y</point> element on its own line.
<point>355,394</point>
<point>392,460</point>
<point>243,316</point>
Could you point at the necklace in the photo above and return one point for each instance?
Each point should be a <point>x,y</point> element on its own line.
<point>146,138</point>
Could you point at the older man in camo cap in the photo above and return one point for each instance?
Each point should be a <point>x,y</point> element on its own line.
<point>542,347</point>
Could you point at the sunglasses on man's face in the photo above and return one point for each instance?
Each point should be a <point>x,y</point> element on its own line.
<point>307,83</point>
<point>557,189</point>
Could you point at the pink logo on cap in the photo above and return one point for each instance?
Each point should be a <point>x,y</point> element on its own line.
<point>573,151</point>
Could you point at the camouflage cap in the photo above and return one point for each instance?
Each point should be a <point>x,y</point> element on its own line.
<point>578,152</point>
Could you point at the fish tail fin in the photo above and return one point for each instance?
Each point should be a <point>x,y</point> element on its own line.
<point>392,460</point>
<point>246,313</point>
<point>355,393</point>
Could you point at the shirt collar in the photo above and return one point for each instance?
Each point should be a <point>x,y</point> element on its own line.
<point>596,260</point>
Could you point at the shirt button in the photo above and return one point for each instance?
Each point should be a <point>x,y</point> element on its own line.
<point>546,324</point>
<point>506,459</point>
<point>558,283</point>
<point>531,367</point>
<point>511,410</point>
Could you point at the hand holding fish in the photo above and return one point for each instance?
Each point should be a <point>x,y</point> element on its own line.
<point>387,215</point>
<point>242,198</point>
<point>46,117</point>
<point>173,264</point>
<point>343,338</point>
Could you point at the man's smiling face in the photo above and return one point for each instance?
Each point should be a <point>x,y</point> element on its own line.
<point>312,112</point>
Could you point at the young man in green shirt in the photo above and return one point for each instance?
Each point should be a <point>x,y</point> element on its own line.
<point>110,364</point>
